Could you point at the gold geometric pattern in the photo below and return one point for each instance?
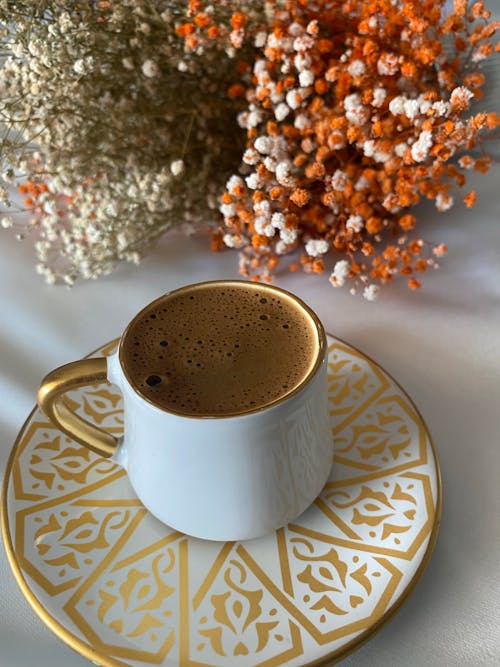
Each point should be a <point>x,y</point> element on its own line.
<point>124,589</point>
<point>382,438</point>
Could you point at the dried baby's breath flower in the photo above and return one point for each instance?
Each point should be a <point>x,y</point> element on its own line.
<point>355,113</point>
<point>111,130</point>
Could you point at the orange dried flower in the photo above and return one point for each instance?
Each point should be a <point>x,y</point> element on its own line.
<point>407,222</point>
<point>373,225</point>
<point>492,120</point>
<point>185,29</point>
<point>236,90</point>
<point>192,42</point>
<point>415,247</point>
<point>420,265</point>
<point>195,6</point>
<point>300,196</point>
<point>202,20</point>
<point>213,32</point>
<point>238,20</point>
<point>216,242</point>
<point>470,199</point>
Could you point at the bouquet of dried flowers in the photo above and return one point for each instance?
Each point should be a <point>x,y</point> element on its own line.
<point>112,131</point>
<point>355,112</point>
<point>123,117</point>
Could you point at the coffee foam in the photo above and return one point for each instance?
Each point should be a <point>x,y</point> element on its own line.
<point>220,349</point>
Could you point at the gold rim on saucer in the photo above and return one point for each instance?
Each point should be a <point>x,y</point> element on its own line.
<point>124,590</point>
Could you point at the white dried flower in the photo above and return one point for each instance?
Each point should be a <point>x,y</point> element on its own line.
<point>355,112</point>
<point>251,156</point>
<point>301,122</point>
<point>283,170</point>
<point>303,43</point>
<point>253,181</point>
<point>316,247</point>
<point>18,50</point>
<point>444,202</point>
<point>369,148</point>
<point>441,108</point>
<point>263,144</point>
<point>234,183</point>
<point>352,102</point>
<point>281,111</point>
<point>397,105</point>
<point>370,292</point>
<point>362,184</point>
<point>306,78</point>
<point>478,55</point>
<point>50,277</point>
<point>79,66</point>
<point>281,248</point>
<point>425,105</point>
<point>388,64</point>
<point>356,68</point>
<point>460,98</point>
<point>420,149</point>
<point>379,95</point>
<point>302,61</point>
<point>270,163</point>
<point>293,99</point>
<point>312,27</point>
<point>264,227</point>
<point>254,118</point>
<point>177,167</point>
<point>262,208</point>
<point>278,220</point>
<point>339,180</point>
<point>400,149</point>
<point>150,69</point>
<point>260,39</point>
<point>232,240</point>
<point>227,210</point>
<point>288,235</point>
<point>354,223</point>
<point>411,108</point>
<point>340,272</point>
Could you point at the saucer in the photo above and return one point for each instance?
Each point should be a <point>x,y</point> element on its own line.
<point>123,589</point>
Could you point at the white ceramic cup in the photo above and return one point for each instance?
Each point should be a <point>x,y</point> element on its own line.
<point>221,478</point>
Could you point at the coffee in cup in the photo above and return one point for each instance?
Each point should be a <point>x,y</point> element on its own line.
<point>220,349</point>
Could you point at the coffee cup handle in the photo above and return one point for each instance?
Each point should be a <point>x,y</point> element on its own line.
<point>51,401</point>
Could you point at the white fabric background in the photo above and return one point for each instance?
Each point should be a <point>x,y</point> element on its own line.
<point>442,343</point>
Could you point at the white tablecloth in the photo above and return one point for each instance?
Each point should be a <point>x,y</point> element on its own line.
<point>442,344</point>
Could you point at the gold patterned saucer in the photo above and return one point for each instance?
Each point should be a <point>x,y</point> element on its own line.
<point>123,589</point>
